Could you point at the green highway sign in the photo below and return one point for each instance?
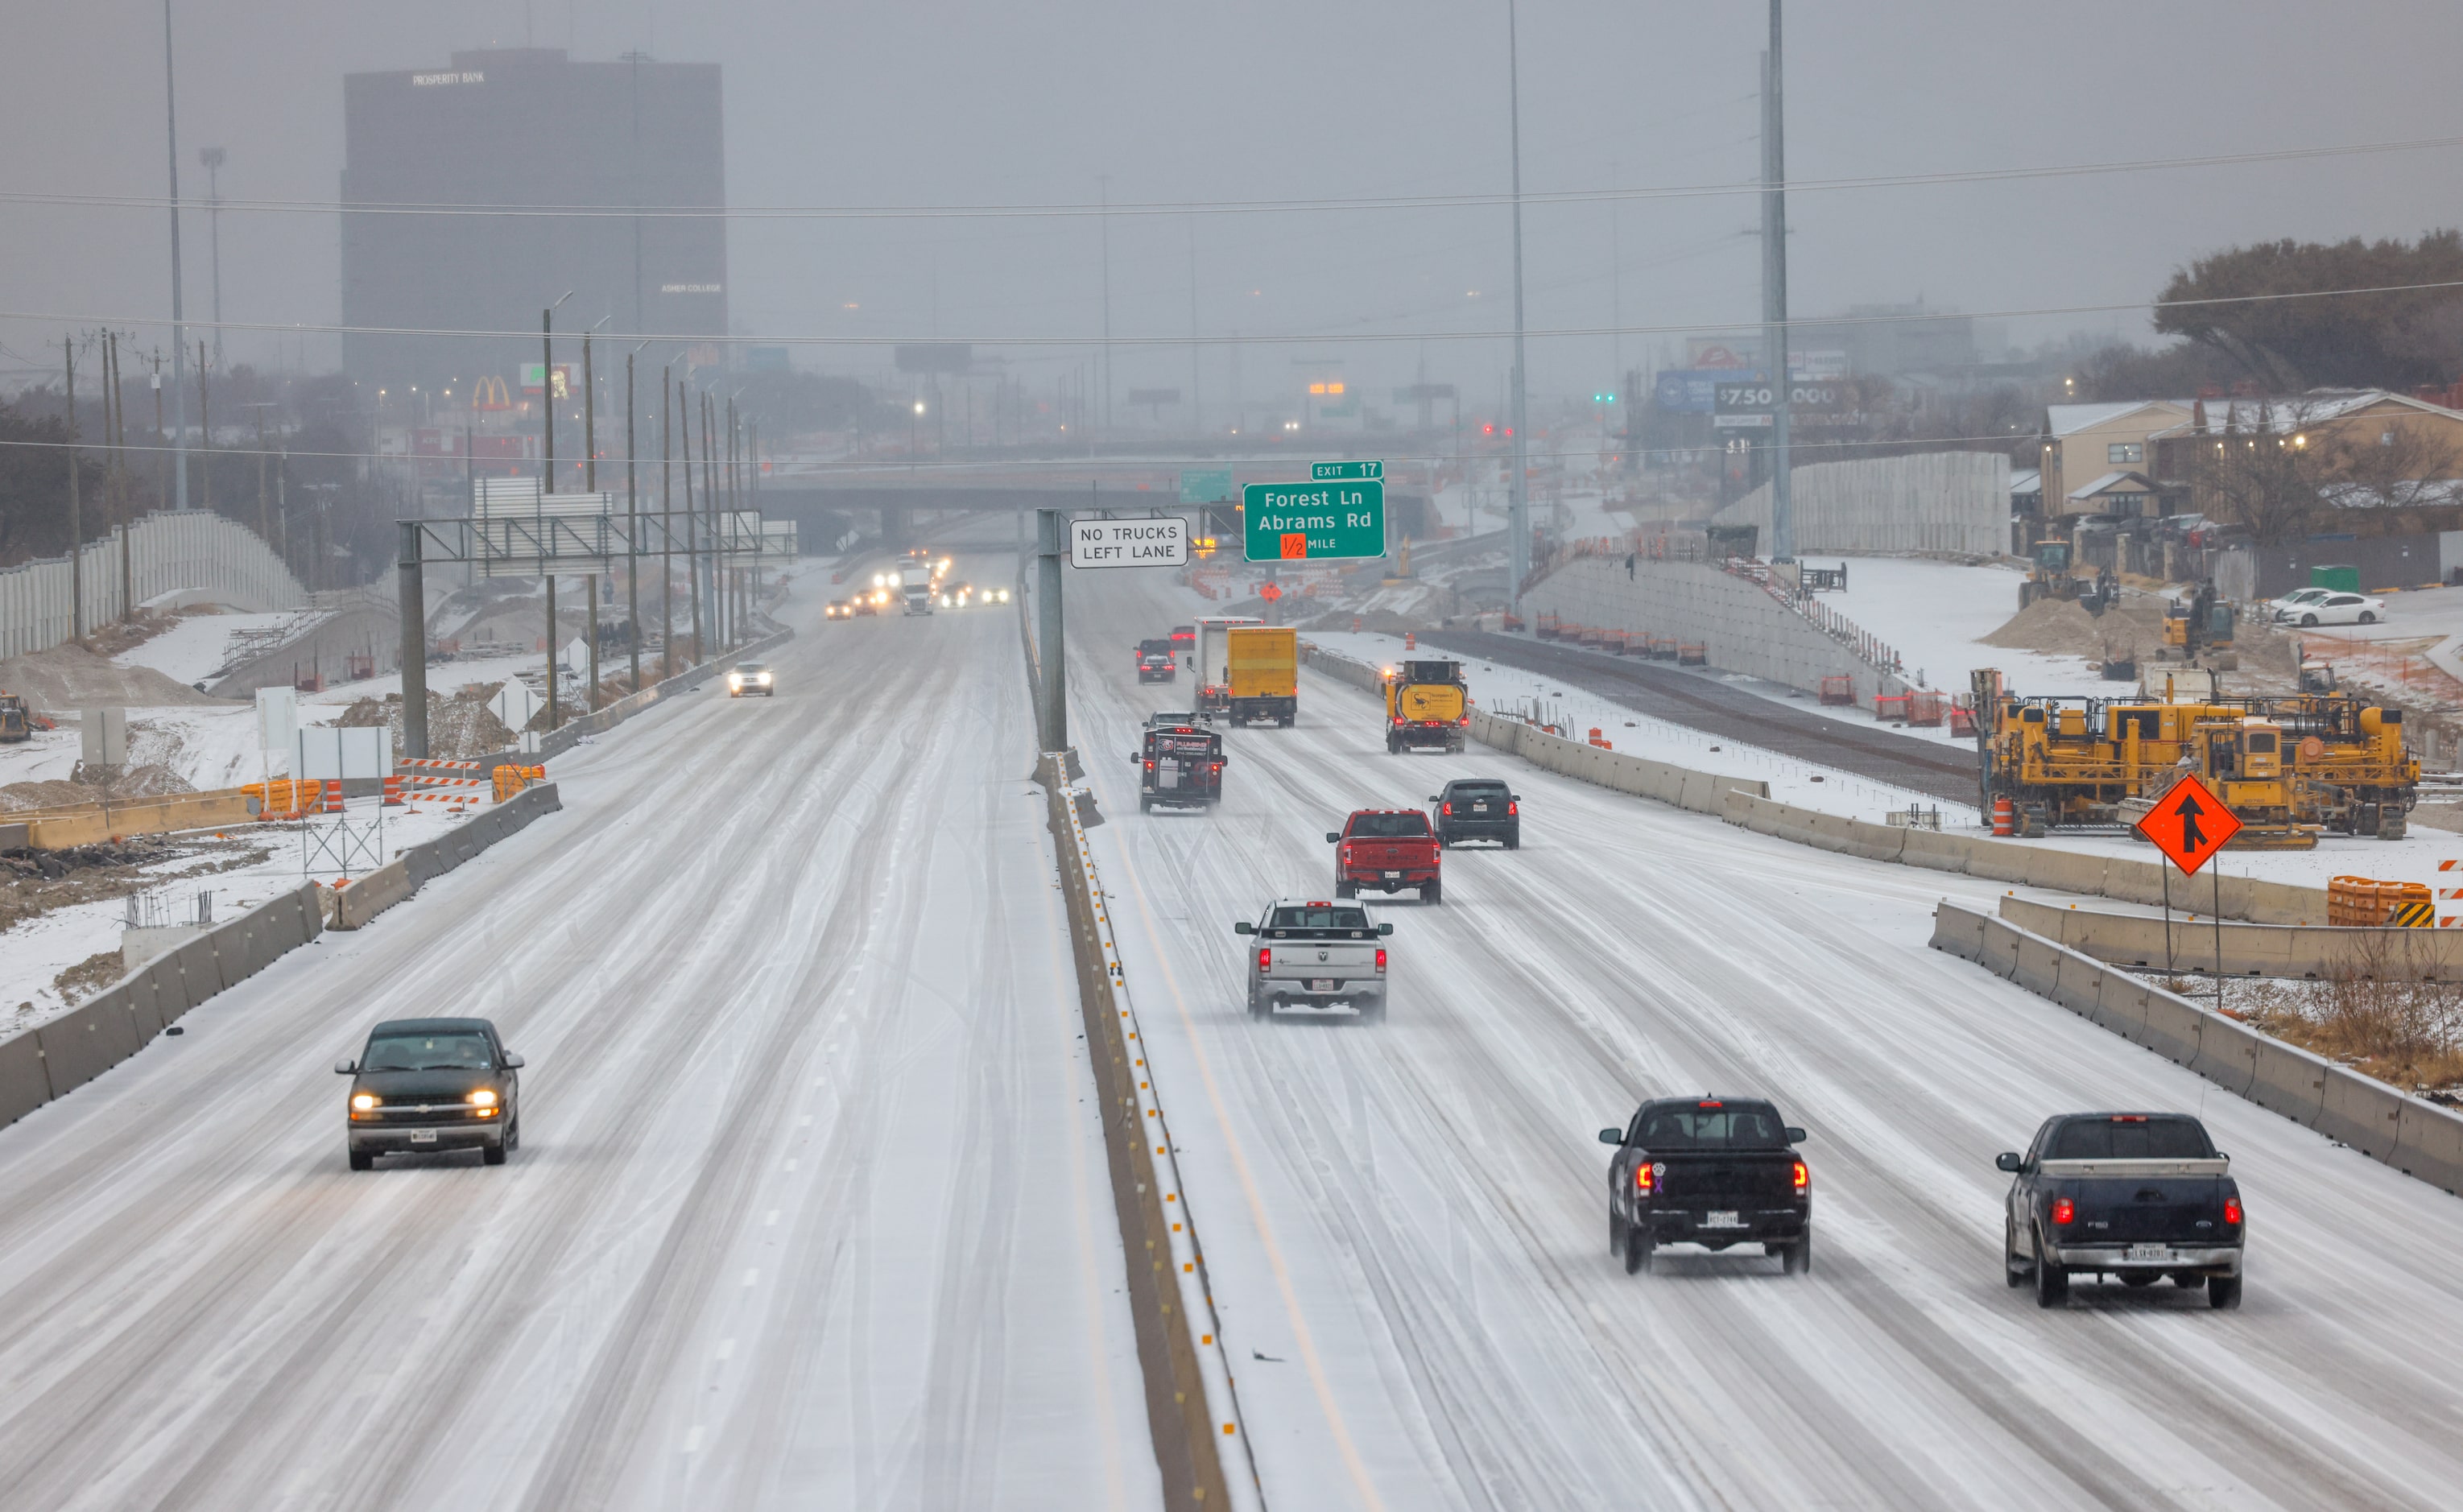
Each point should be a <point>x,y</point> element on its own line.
<point>1316,521</point>
<point>1342,472</point>
<point>1205,485</point>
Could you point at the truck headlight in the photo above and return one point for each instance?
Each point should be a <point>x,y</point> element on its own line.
<point>361,1102</point>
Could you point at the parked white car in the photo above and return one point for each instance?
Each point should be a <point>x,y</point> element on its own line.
<point>2338,608</point>
<point>2290,604</point>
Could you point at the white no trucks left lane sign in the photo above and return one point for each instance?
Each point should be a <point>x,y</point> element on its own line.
<point>1162,541</point>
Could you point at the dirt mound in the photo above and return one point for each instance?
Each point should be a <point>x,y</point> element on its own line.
<point>153,780</point>
<point>68,678</point>
<point>458,727</point>
<point>2059,627</point>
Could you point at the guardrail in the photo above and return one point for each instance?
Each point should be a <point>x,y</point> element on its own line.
<point>1200,1439</point>
<point>2411,1134</point>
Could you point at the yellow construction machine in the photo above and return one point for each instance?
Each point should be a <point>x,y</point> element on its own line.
<point>2289,767</point>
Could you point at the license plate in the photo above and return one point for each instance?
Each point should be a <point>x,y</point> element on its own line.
<point>1479,808</point>
<point>2160,1254</point>
<point>1721,1220</point>
<point>422,1136</point>
<point>1320,984</point>
<point>1393,874</point>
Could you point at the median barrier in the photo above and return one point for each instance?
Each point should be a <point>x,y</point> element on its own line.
<point>84,1042</point>
<point>1935,852</point>
<point>2065,872</point>
<point>2079,986</point>
<point>2227,1053</point>
<point>1958,931</point>
<point>2429,1144</point>
<point>184,979</point>
<point>2171,1026</point>
<point>2288,1080</point>
<point>2038,964</point>
<point>2312,952</point>
<point>2356,1111</point>
<point>1999,943</point>
<point>2120,1005</point>
<point>24,1085</point>
<point>372,894</point>
<point>237,955</point>
<point>143,989</point>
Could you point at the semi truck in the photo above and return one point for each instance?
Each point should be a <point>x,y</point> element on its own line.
<point>1211,661</point>
<point>1263,664</point>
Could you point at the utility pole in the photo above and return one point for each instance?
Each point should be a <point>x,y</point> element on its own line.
<point>547,486</point>
<point>205,434</point>
<point>77,532</point>
<point>589,419</point>
<point>632,528</point>
<point>1196,395</point>
<point>179,326</point>
<point>1517,519</point>
<point>693,522</point>
<point>667,532</point>
<point>1105,222</point>
<point>1782,543</point>
<point>213,157</point>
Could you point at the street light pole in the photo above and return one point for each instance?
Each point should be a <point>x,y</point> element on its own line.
<point>1517,517</point>
<point>1782,543</point>
<point>178,327</point>
<point>213,157</point>
<point>547,485</point>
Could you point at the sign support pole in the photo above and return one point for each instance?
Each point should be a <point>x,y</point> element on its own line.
<point>413,605</point>
<point>2168,921</point>
<point>2219,938</point>
<point>1051,548</point>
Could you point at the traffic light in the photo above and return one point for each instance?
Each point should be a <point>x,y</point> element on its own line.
<point>1603,399</point>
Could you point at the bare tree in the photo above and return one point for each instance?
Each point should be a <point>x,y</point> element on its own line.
<point>2261,476</point>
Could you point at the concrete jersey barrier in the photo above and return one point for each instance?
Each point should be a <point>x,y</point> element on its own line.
<point>2411,1134</point>
<point>2314,952</point>
<point>55,1059</point>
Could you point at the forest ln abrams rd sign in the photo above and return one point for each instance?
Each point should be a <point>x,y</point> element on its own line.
<point>1332,518</point>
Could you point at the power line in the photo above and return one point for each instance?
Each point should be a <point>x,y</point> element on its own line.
<point>1694,328</point>
<point>1363,202</point>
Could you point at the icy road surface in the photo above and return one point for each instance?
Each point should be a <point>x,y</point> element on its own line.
<point>810,1210</point>
<point>1405,1224</point>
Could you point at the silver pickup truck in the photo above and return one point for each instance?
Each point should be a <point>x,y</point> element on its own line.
<point>1323,953</point>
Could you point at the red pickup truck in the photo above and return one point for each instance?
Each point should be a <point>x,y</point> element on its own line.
<point>1386,849</point>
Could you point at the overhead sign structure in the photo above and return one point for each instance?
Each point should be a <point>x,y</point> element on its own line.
<point>1341,515</point>
<point>1205,485</point>
<point>1161,541</point>
<point>2189,824</point>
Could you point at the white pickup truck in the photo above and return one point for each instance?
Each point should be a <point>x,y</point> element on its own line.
<point>1318,954</point>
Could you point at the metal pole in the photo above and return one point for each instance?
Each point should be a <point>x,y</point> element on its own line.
<point>667,532</point>
<point>547,485</point>
<point>1050,654</point>
<point>589,421</point>
<point>213,159</point>
<point>77,535</point>
<point>592,634</point>
<point>1104,221</point>
<point>1518,516</point>
<point>413,605</point>
<point>179,329</point>
<point>632,533</point>
<point>1782,544</point>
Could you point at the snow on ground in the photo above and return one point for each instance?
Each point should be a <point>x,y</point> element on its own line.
<point>1936,615</point>
<point>41,947</point>
<point>199,644</point>
<point>443,677</point>
<point>1501,688</point>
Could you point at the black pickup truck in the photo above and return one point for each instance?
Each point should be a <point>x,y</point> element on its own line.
<point>1715,1171</point>
<point>2136,1196</point>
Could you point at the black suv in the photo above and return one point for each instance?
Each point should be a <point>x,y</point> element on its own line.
<point>1478,808</point>
<point>433,1084</point>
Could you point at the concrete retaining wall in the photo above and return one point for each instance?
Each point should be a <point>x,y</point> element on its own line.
<point>2414,1136</point>
<point>180,549</point>
<point>1743,627</point>
<point>2249,950</point>
<point>1950,502</point>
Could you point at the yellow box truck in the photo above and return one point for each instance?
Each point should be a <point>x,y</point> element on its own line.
<point>1264,666</point>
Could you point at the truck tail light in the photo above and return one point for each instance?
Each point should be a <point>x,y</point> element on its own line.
<point>1645,1178</point>
<point>1381,968</point>
<point>1803,1178</point>
<point>1513,810</point>
<point>1465,721</point>
<point>2064,1211</point>
<point>1448,810</point>
<point>2232,1212</point>
<point>1265,958</point>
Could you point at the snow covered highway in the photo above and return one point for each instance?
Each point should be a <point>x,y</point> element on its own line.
<point>810,1210</point>
<point>1405,1223</point>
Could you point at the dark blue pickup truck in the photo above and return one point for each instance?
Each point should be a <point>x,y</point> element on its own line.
<point>2134,1196</point>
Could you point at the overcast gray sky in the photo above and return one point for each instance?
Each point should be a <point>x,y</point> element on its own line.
<point>942,101</point>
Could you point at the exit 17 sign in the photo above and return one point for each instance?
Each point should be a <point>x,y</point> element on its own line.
<point>1341,518</point>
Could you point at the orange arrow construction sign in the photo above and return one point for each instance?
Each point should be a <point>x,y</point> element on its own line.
<point>2189,824</point>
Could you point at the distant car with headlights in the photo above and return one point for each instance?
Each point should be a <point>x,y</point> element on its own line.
<point>839,609</point>
<point>746,679</point>
<point>1717,1171</point>
<point>424,1085</point>
<point>1321,954</point>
